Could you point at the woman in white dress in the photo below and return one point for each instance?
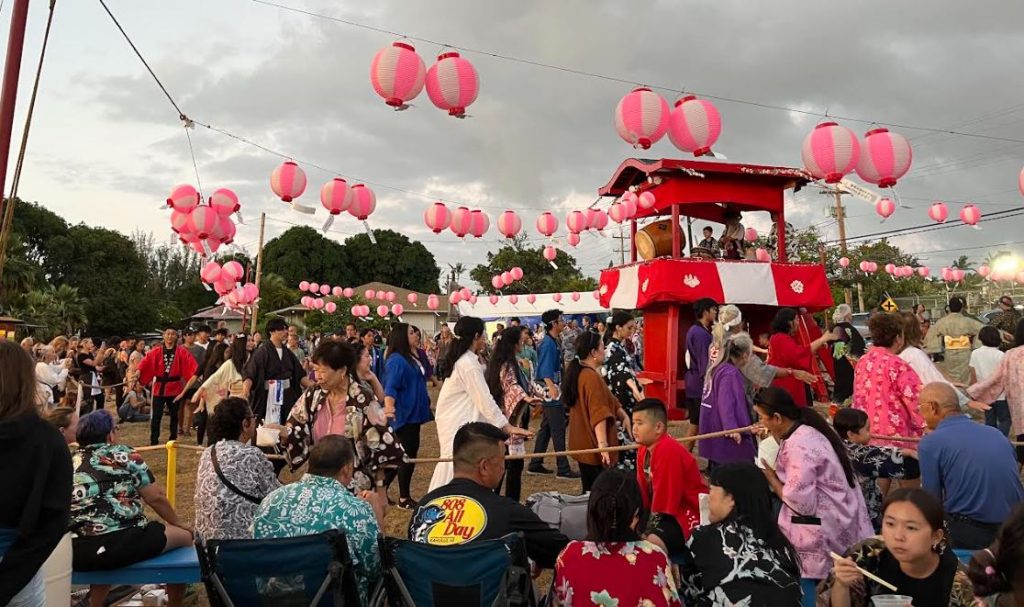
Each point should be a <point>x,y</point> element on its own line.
<point>464,396</point>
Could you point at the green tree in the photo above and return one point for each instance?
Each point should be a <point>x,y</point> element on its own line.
<point>37,227</point>
<point>110,275</point>
<point>302,253</point>
<point>538,274</point>
<point>394,259</point>
<point>172,278</point>
<point>275,295</point>
<point>20,273</point>
<point>68,309</point>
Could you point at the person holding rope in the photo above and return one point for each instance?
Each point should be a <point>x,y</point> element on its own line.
<point>725,405</point>
<point>173,369</point>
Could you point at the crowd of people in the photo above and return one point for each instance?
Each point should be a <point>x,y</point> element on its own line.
<point>793,506</point>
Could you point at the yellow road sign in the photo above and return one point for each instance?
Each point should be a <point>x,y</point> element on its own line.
<point>889,305</point>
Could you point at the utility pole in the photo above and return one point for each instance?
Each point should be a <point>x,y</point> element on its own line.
<point>840,214</point>
<point>259,273</point>
<point>622,238</point>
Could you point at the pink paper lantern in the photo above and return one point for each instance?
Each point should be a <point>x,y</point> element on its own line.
<point>380,295</point>
<point>589,213</point>
<point>210,272</point>
<point>969,215</point>
<point>288,181</point>
<point>844,262</point>
<point>617,212</point>
<point>506,278</point>
<point>885,207</point>
<point>202,221</point>
<point>232,270</point>
<point>183,198</point>
<point>357,310</point>
<point>325,289</point>
<point>348,292</point>
<point>433,302</point>
<point>369,294</point>
<point>397,309</point>
<point>573,239</point>
<point>923,272</point>
<point>461,221</point>
<point>437,217</point>
<point>412,298</point>
<point>547,224</point>
<point>509,224</point>
<point>363,202</point>
<point>938,212</point>
<point>865,266</point>
<point>452,84</point>
<point>646,200</point>
<point>630,205</point>
<point>314,287</point>
<point>550,253</point>
<point>513,299</point>
<point>465,293</point>
<point>318,304</point>
<point>750,235</point>
<point>493,299</point>
<point>575,296</point>
<point>225,202</point>
<point>455,298</point>
<point>694,125</point>
<point>479,223</point>
<point>885,157</point>
<point>390,296</point>
<point>335,196</point>
<point>473,300</point>
<point>517,273</point>
<point>958,275</point>
<point>397,74</point>
<point>304,285</point>
<point>224,285</point>
<point>599,220</point>
<point>531,299</point>
<point>642,117</point>
<point>331,307</point>
<point>629,197</point>
<point>984,271</point>
<point>762,255</point>
<point>557,297</point>
<point>496,282</point>
<point>337,291</point>
<point>873,267</point>
<point>226,229</point>
<point>382,310</point>
<point>179,221</point>
<point>830,152</point>
<point>576,221</point>
<point>306,301</point>
<point>890,268</point>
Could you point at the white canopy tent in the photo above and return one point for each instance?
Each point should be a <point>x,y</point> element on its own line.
<point>504,308</point>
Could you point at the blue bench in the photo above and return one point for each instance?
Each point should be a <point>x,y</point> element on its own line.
<point>178,566</point>
<point>964,555</point>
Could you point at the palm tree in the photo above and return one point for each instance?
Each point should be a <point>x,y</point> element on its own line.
<point>19,274</point>
<point>456,272</point>
<point>68,307</point>
<point>963,264</point>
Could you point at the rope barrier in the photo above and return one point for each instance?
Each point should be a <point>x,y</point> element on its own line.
<point>912,439</point>
<point>685,439</point>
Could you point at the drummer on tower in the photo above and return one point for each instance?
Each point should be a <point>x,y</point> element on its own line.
<point>732,237</point>
<point>710,243</point>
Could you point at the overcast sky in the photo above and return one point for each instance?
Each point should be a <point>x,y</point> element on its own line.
<point>106,146</point>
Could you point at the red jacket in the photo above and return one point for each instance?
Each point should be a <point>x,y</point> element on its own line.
<point>677,482</point>
<point>171,383</point>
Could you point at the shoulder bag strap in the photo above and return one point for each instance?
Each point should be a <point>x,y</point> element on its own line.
<point>224,479</point>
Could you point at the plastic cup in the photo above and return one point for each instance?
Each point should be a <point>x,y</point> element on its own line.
<point>892,600</point>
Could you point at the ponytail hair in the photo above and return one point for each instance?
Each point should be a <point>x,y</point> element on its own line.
<point>613,504</point>
<point>994,571</point>
<point>467,330</point>
<point>777,401</point>
<point>616,320</point>
<point>587,342</point>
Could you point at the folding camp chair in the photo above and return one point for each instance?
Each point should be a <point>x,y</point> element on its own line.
<point>487,573</point>
<point>308,571</point>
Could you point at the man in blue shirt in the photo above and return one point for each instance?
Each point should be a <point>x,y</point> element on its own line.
<point>549,371</point>
<point>698,342</point>
<point>972,468</point>
<point>369,338</point>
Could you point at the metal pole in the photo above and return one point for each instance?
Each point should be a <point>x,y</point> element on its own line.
<point>259,273</point>
<point>9,94</point>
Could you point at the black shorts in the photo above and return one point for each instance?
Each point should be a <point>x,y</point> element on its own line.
<point>667,528</point>
<point>119,548</point>
<point>693,410</point>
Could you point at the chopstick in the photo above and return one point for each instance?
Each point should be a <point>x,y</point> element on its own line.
<point>836,557</point>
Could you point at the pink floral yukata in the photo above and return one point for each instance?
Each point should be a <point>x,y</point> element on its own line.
<point>886,388</point>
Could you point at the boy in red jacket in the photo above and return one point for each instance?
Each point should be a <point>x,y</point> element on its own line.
<point>173,368</point>
<point>669,479</point>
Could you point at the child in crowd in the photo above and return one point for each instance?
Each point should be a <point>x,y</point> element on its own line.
<point>670,481</point>
<point>984,362</point>
<point>871,462</point>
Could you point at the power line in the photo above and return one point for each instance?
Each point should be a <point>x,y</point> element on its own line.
<point>620,80</point>
<point>919,229</point>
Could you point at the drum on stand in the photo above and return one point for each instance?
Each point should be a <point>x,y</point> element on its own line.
<point>655,240</point>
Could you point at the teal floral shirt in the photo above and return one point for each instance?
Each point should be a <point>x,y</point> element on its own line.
<point>316,504</point>
<point>105,495</point>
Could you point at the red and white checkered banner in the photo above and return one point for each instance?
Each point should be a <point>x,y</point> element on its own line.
<point>684,281</point>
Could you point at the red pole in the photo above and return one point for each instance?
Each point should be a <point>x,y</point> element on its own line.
<point>9,94</point>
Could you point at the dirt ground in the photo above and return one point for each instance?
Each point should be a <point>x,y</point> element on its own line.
<point>396,524</point>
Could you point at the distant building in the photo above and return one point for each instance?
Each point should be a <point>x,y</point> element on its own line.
<point>217,317</point>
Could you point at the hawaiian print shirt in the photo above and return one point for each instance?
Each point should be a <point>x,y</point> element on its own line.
<point>105,496</point>
<point>614,574</point>
<point>221,513</point>
<point>316,504</point>
<point>886,388</point>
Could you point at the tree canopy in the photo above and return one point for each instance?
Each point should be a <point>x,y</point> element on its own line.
<point>302,253</point>
<point>538,274</point>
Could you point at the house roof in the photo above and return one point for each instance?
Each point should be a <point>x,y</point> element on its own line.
<point>216,313</point>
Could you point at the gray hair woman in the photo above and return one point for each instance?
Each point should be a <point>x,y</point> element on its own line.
<point>846,350</point>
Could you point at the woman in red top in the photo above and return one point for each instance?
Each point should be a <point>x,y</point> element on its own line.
<point>784,351</point>
<point>614,566</point>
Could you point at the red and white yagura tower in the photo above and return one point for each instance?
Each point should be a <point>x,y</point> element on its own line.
<point>665,287</point>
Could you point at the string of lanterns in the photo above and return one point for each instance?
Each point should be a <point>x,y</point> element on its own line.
<point>224,279</point>
<point>947,274</point>
<point>203,227</point>
<point>398,75</point>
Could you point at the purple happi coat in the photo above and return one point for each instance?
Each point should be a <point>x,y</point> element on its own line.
<point>724,407</point>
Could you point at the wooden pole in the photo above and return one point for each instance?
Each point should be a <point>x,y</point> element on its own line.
<point>259,274</point>
<point>8,101</point>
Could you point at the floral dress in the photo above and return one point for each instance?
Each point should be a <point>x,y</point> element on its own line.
<point>886,388</point>
<point>617,371</point>
<point>614,574</point>
<point>871,463</point>
<point>726,564</point>
<point>365,423</point>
